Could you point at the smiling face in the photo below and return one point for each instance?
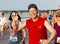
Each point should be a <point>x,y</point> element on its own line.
<point>33,13</point>
<point>58,16</point>
<point>14,16</point>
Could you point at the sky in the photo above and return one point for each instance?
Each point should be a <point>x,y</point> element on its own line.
<point>23,4</point>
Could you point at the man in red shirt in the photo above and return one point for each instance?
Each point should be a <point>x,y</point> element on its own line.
<point>36,27</point>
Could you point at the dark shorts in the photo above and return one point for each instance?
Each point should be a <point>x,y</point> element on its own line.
<point>15,42</point>
<point>57,43</point>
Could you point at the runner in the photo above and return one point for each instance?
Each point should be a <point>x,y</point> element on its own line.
<point>36,27</point>
<point>16,37</point>
<point>57,28</point>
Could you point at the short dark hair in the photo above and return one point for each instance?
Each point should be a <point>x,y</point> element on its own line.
<point>32,6</point>
<point>10,18</point>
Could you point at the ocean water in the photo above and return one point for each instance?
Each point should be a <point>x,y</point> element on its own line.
<point>22,15</point>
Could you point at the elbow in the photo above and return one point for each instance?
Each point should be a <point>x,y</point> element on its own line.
<point>54,32</point>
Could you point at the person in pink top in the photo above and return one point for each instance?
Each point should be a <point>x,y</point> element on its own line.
<point>57,28</point>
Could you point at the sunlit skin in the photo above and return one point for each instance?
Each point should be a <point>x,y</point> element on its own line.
<point>33,13</point>
<point>58,16</point>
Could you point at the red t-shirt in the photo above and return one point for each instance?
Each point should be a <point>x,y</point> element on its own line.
<point>36,30</point>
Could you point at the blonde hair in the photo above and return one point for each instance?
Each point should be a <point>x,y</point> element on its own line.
<point>58,14</point>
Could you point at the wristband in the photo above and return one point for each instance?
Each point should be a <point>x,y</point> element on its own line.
<point>22,39</point>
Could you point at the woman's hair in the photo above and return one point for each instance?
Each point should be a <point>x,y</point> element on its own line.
<point>32,6</point>
<point>10,18</point>
<point>58,14</point>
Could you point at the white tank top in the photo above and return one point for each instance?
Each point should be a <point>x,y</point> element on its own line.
<point>2,20</point>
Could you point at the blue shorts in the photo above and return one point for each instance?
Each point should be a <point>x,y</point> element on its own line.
<point>15,42</point>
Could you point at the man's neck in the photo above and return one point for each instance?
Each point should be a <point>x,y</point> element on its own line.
<point>35,19</point>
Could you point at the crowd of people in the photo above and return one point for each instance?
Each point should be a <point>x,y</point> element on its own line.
<point>37,26</point>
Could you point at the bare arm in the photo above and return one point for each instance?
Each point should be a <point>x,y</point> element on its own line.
<point>24,33</point>
<point>21,26</point>
<point>51,30</point>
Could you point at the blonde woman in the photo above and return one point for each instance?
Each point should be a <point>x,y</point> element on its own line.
<point>57,28</point>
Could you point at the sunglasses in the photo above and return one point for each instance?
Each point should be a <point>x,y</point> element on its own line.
<point>14,15</point>
<point>57,16</point>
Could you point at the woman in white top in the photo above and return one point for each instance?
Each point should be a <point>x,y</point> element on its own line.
<point>3,20</point>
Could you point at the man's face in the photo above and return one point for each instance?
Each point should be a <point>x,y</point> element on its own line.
<point>33,13</point>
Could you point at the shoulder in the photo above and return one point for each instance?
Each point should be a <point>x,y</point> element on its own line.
<point>28,20</point>
<point>41,19</point>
